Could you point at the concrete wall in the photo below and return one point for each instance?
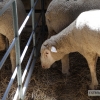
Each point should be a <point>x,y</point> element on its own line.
<point>38,7</point>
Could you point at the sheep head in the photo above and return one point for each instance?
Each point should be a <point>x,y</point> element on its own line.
<point>50,53</point>
<point>47,54</point>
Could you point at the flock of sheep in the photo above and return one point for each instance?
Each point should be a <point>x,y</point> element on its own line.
<point>73,26</point>
<point>6,27</point>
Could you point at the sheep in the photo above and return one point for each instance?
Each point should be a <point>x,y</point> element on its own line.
<point>61,13</point>
<point>6,27</point>
<point>83,36</point>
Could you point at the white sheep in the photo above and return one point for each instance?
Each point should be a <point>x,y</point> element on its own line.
<point>60,13</point>
<point>6,27</point>
<point>83,36</point>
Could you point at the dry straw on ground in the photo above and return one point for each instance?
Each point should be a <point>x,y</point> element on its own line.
<point>51,84</point>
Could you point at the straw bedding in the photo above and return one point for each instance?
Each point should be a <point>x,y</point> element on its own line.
<point>51,84</point>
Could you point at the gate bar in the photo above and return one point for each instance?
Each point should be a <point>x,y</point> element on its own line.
<point>24,73</point>
<point>16,94</point>
<point>17,49</point>
<point>33,32</point>
<point>15,71</point>
<point>9,85</point>
<point>16,38</point>
<point>33,22</point>
<point>6,6</point>
<point>43,16</point>
<point>29,76</point>
<point>7,53</point>
<point>19,32</point>
<point>31,70</point>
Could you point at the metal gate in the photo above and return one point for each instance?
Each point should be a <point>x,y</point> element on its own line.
<point>21,89</point>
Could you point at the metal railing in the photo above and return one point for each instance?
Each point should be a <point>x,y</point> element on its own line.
<point>20,91</point>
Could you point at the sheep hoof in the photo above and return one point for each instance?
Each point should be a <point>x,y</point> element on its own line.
<point>93,87</point>
<point>66,73</point>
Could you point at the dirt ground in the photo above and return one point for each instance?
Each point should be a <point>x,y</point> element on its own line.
<point>51,84</point>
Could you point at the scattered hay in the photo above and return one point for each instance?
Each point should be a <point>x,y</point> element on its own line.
<point>51,84</point>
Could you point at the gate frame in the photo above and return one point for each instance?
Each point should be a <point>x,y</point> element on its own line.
<point>21,91</point>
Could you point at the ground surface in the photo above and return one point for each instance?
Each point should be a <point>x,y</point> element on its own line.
<point>51,84</point>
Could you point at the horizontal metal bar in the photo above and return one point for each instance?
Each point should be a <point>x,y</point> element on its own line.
<point>15,72</point>
<point>7,53</point>
<point>25,21</point>
<point>10,83</point>
<point>24,74</point>
<point>35,3</point>
<point>27,66</point>
<point>26,47</point>
<point>13,42</point>
<point>6,7</point>
<point>14,75</point>
<point>29,76</point>
<point>31,70</point>
<point>19,31</point>
<point>22,56</point>
<point>27,18</point>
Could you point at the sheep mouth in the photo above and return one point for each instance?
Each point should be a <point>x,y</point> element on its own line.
<point>45,67</point>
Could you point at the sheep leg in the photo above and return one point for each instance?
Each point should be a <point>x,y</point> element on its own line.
<point>2,42</point>
<point>92,59</point>
<point>13,59</point>
<point>65,65</point>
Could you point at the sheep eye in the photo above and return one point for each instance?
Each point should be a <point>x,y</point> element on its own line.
<point>48,20</point>
<point>46,52</point>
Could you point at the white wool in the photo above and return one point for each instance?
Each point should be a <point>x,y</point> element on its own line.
<point>90,18</point>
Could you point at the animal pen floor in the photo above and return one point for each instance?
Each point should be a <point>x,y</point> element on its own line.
<point>51,84</point>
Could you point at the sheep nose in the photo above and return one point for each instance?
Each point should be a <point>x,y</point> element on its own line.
<point>43,66</point>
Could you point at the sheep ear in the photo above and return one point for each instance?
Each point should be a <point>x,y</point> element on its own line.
<point>53,49</point>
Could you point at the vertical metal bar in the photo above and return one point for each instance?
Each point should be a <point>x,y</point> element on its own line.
<point>33,25</point>
<point>17,48</point>
<point>43,16</point>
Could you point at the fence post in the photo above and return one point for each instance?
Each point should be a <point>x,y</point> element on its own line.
<point>17,49</point>
<point>33,25</point>
<point>43,18</point>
